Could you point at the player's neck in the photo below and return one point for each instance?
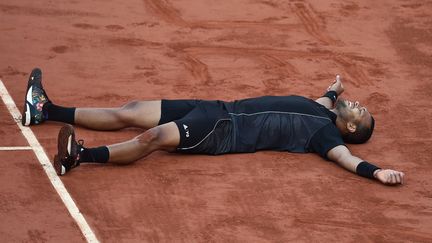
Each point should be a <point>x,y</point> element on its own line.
<point>335,111</point>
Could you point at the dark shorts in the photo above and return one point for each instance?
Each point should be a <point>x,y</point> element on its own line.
<point>205,126</point>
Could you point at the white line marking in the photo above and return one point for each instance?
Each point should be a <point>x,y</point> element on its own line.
<point>16,148</point>
<point>47,166</point>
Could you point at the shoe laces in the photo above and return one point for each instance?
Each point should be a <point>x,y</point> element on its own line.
<point>80,146</point>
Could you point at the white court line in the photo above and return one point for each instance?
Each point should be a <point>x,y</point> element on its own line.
<point>15,148</point>
<point>47,166</point>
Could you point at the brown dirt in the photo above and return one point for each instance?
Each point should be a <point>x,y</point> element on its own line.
<point>107,53</point>
<point>30,208</point>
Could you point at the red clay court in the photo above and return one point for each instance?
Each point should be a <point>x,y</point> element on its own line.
<point>106,53</point>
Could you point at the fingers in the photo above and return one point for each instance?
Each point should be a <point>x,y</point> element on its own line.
<point>334,82</point>
<point>389,178</point>
<point>397,178</point>
<point>394,177</point>
<point>337,85</point>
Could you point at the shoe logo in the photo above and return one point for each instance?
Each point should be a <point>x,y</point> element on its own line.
<point>186,128</point>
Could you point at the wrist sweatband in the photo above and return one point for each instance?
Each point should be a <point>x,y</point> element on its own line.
<point>331,95</point>
<point>366,169</point>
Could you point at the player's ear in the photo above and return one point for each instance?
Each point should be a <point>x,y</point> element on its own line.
<point>351,127</point>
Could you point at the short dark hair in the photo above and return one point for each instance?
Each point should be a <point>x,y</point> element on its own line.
<point>361,135</point>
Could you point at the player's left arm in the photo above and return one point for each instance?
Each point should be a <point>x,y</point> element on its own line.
<point>333,91</point>
<point>342,156</point>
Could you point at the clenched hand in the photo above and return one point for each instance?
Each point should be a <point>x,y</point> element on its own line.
<point>389,177</point>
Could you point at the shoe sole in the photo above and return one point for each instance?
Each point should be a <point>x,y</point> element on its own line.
<point>59,168</point>
<point>26,119</point>
<point>64,147</point>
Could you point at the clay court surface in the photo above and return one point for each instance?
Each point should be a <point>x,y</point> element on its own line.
<point>106,53</point>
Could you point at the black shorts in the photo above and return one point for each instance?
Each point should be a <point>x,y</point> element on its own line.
<point>205,126</point>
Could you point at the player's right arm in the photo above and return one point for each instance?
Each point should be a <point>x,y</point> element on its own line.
<point>343,157</point>
<point>337,87</point>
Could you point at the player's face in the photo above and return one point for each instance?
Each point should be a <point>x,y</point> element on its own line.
<point>353,112</point>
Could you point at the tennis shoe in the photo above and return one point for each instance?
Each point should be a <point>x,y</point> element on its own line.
<point>35,99</point>
<point>67,156</point>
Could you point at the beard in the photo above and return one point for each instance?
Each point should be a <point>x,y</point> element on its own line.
<point>340,105</point>
<point>341,109</point>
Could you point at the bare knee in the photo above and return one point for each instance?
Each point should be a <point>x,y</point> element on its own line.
<point>151,136</point>
<point>131,105</point>
<point>128,113</point>
<point>143,114</point>
<point>163,137</point>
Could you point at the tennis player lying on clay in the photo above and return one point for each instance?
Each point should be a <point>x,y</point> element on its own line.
<point>280,123</point>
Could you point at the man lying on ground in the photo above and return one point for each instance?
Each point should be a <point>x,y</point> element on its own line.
<point>281,123</point>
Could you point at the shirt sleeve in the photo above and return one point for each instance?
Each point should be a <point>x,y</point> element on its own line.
<point>325,139</point>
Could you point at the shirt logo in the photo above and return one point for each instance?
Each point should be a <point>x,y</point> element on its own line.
<point>186,128</point>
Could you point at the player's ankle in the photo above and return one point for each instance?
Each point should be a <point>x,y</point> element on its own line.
<point>93,155</point>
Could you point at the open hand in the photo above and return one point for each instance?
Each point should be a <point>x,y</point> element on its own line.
<point>389,177</point>
<point>337,86</point>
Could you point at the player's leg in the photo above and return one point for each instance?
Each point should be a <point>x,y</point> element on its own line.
<point>39,108</point>
<point>71,153</point>
<point>164,137</point>
<point>145,114</point>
